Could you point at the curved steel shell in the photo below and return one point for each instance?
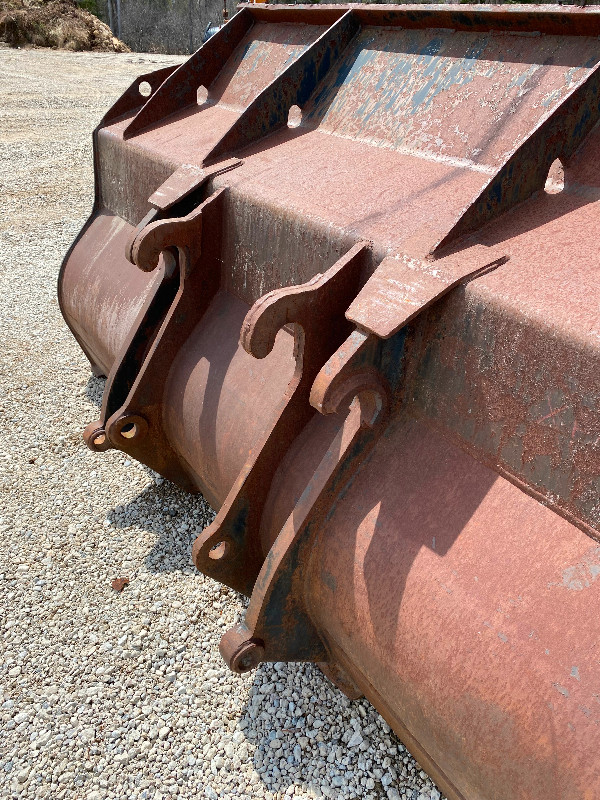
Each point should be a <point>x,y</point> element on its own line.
<point>342,277</point>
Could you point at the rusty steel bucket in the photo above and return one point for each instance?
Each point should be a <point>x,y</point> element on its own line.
<point>342,277</point>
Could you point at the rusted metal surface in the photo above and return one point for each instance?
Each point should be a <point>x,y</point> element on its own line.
<point>466,611</point>
<point>401,289</point>
<point>330,291</point>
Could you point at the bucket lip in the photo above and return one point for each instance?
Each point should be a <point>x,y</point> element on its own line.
<point>564,20</point>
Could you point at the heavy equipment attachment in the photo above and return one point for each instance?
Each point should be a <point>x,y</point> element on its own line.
<point>342,277</point>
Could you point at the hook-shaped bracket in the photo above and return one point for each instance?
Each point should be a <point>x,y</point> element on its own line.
<point>161,235</point>
<point>302,304</point>
<point>154,233</point>
<point>229,548</point>
<point>278,626</point>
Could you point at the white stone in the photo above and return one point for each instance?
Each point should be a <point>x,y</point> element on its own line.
<point>23,775</point>
<point>355,739</point>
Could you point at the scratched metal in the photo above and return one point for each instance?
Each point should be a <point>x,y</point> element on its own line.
<point>516,373</point>
<point>468,98</point>
<point>128,200</point>
<point>216,438</point>
<point>264,251</point>
<point>272,107</point>
<point>263,54</point>
<point>101,312</point>
<point>467,612</point>
<point>131,170</point>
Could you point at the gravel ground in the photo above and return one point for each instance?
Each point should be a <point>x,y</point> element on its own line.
<point>106,695</point>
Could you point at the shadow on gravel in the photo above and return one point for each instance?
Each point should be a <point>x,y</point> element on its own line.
<point>173,515</point>
<point>298,723</point>
<point>94,390</point>
<point>301,726</point>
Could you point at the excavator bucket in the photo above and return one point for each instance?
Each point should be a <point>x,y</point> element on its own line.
<point>342,276</point>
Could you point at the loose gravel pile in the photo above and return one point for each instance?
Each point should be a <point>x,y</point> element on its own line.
<point>107,695</point>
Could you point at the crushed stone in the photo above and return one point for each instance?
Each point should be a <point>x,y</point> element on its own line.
<point>122,695</point>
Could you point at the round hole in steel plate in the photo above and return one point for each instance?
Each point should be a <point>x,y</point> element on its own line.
<point>294,117</point>
<point>555,182</point>
<point>245,664</point>
<point>145,89</point>
<point>129,431</point>
<point>202,95</point>
<point>218,551</point>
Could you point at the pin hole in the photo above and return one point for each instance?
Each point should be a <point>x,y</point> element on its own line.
<point>129,431</point>
<point>218,551</point>
<point>202,95</point>
<point>555,180</point>
<point>294,117</point>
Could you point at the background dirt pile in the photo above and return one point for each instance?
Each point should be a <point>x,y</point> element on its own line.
<point>55,23</point>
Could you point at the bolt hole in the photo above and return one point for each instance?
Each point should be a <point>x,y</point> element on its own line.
<point>99,440</point>
<point>145,89</point>
<point>218,551</point>
<point>129,431</point>
<point>245,664</point>
<point>555,182</point>
<point>294,117</point>
<point>202,95</point>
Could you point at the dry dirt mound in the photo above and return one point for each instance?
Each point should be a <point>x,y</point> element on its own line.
<point>55,23</point>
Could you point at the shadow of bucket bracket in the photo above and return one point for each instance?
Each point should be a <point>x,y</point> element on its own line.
<point>229,549</point>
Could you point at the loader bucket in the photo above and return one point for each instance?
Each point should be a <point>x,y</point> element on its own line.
<point>342,276</point>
